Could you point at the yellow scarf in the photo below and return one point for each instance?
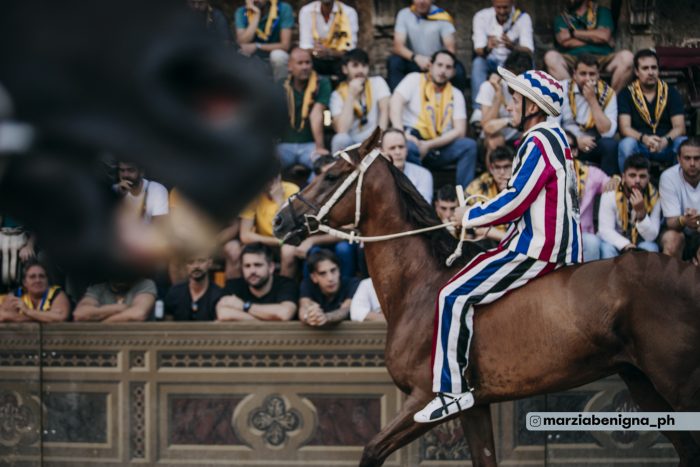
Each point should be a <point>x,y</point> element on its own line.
<point>582,176</point>
<point>517,13</point>
<point>486,186</point>
<point>46,301</point>
<point>272,19</point>
<point>625,211</point>
<point>307,103</point>
<point>339,34</point>
<point>361,111</point>
<point>603,92</point>
<point>640,102</point>
<point>435,14</point>
<point>434,116</point>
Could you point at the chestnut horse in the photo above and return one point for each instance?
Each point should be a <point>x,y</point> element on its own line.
<point>637,315</point>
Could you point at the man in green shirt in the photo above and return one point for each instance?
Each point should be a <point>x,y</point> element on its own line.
<point>308,95</point>
<point>585,27</point>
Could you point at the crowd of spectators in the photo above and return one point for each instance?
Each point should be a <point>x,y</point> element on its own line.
<point>638,174</point>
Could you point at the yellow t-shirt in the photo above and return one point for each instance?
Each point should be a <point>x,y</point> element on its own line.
<point>264,209</point>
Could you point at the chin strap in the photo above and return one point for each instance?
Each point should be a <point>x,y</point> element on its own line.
<point>524,118</point>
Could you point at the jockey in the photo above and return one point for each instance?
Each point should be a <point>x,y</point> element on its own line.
<point>540,203</point>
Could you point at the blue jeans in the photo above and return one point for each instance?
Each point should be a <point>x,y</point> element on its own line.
<point>296,153</point>
<point>604,154</point>
<point>347,256</point>
<point>591,247</point>
<point>629,146</point>
<point>481,70</point>
<point>461,151</point>
<point>607,250</point>
<point>398,68</point>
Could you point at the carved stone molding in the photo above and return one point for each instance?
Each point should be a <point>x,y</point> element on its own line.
<point>20,418</point>
<point>274,420</point>
<point>137,413</point>
<point>260,359</point>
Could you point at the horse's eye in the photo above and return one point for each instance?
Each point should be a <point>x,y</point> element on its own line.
<point>330,177</point>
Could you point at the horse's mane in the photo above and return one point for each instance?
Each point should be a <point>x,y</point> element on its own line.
<point>416,210</point>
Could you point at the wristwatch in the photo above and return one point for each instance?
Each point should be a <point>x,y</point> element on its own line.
<point>246,306</point>
<point>669,140</point>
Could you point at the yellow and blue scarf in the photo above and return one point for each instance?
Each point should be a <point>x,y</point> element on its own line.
<point>640,102</point>
<point>603,92</point>
<point>339,34</point>
<point>361,110</point>
<point>434,116</point>
<point>625,211</point>
<point>271,23</point>
<point>308,101</point>
<point>435,14</point>
<point>46,300</point>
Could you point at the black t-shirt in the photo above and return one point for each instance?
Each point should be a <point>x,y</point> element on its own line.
<point>178,302</point>
<point>283,290</point>
<point>674,107</point>
<point>348,286</point>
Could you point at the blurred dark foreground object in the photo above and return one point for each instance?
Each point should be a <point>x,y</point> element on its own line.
<point>142,81</point>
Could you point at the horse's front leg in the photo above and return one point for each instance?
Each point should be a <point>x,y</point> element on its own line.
<point>478,429</point>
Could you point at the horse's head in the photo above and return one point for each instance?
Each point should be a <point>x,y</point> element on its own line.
<point>329,198</point>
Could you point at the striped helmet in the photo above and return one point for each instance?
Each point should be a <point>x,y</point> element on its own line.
<point>538,86</point>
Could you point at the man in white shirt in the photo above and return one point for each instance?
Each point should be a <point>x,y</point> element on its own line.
<point>145,199</point>
<point>394,148</point>
<point>365,304</point>
<point>680,202</point>
<point>329,29</point>
<point>629,217</point>
<point>434,117</point>
<point>419,31</point>
<point>497,31</point>
<point>359,104</point>
<point>590,113</point>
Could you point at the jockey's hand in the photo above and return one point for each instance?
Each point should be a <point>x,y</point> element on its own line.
<point>458,216</point>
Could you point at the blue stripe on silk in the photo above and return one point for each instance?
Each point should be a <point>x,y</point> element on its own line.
<point>545,90</point>
<point>574,249</point>
<point>490,269</point>
<point>526,235</point>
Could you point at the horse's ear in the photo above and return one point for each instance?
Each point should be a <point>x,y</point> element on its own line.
<point>371,142</point>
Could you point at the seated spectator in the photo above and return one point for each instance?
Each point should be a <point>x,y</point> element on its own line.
<point>496,33</point>
<point>264,30</point>
<point>359,104</point>
<point>35,300</point>
<point>328,29</point>
<point>629,218</point>
<point>494,99</point>
<point>679,190</point>
<point>326,296</point>
<point>445,204</point>
<point>307,97</point>
<point>143,198</point>
<point>419,31</point>
<point>118,300</point>
<point>489,184</point>
<point>395,148</point>
<point>434,116</point>
<point>651,115</point>
<point>258,217</point>
<point>213,19</point>
<point>590,113</point>
<point>259,294</point>
<point>591,182</point>
<point>365,304</point>
<point>585,27</point>
<point>196,299</point>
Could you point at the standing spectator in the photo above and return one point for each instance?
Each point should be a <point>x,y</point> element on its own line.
<point>264,30</point>
<point>680,202</point>
<point>325,296</point>
<point>259,294</point>
<point>585,27</point>
<point>308,96</point>
<point>35,300</point>
<point>196,299</point>
<point>629,218</point>
<point>258,217</point>
<point>651,114</point>
<point>591,182</point>
<point>590,113</point>
<point>359,104</point>
<point>395,148</point>
<point>144,199</point>
<point>118,300</point>
<point>213,19</point>
<point>421,30</point>
<point>496,33</point>
<point>328,29</point>
<point>365,304</point>
<point>434,116</point>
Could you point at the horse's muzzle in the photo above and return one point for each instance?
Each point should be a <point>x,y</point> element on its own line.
<point>288,229</point>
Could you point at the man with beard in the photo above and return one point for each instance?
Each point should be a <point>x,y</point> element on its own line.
<point>585,27</point>
<point>214,20</point>
<point>395,148</point>
<point>195,299</point>
<point>143,198</point>
<point>434,116</point>
<point>629,217</point>
<point>359,104</point>
<point>680,202</point>
<point>259,294</point>
<point>308,95</point>
<point>652,119</point>
<point>264,30</point>
<point>325,296</point>
<point>118,300</point>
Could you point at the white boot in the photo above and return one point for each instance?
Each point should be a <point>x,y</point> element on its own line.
<point>444,405</point>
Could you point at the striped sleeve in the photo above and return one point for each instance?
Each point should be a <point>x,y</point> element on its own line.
<point>529,177</point>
